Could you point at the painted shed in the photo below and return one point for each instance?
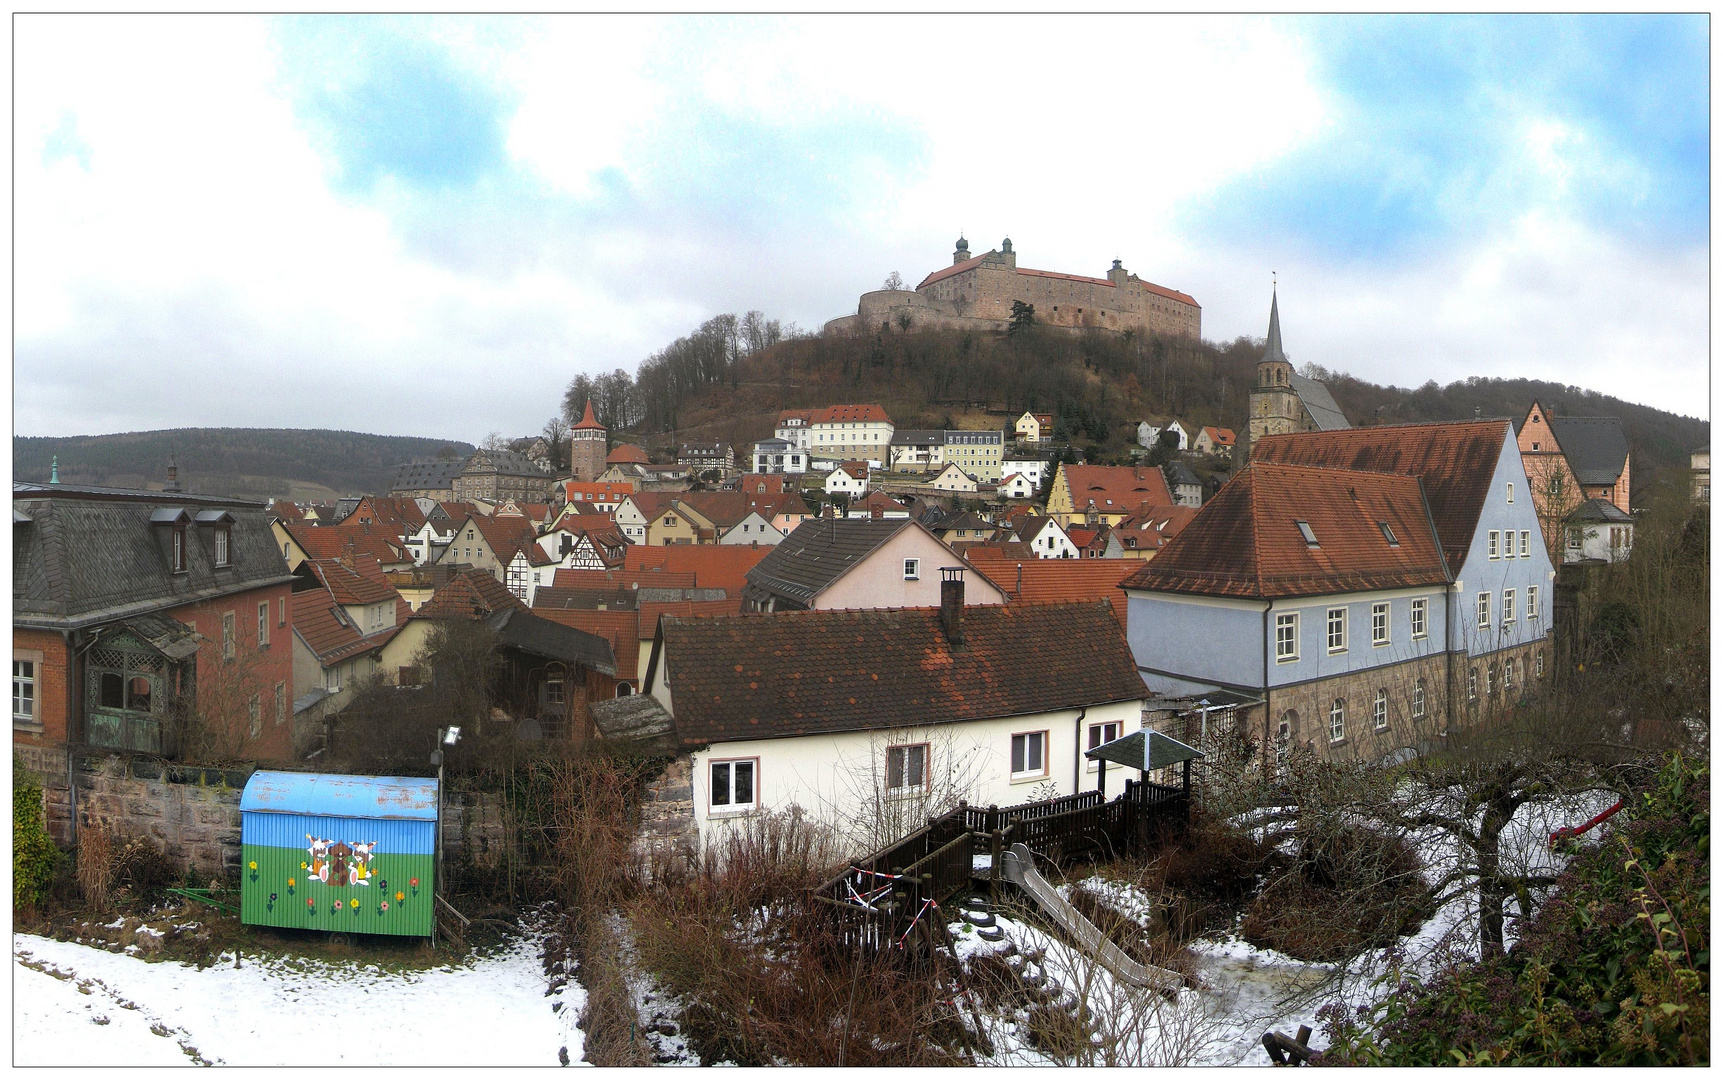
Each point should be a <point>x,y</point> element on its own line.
<point>324,851</point>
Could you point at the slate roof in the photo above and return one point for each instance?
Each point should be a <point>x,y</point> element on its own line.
<point>1179,474</point>
<point>749,677</point>
<point>426,475</point>
<point>1246,542</point>
<point>1596,446</point>
<point>1319,403</point>
<point>520,629</point>
<point>1455,461</point>
<point>917,437</point>
<point>87,555</point>
<point>635,718</point>
<point>503,463</point>
<point>473,594</point>
<point>1115,489</point>
<point>816,554</point>
<point>1600,510</point>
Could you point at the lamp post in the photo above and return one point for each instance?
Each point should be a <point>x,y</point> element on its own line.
<point>445,737</point>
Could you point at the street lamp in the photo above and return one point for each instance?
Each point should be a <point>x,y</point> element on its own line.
<point>445,737</point>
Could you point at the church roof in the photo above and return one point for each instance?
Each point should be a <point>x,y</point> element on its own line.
<point>1319,403</point>
<point>1272,352</point>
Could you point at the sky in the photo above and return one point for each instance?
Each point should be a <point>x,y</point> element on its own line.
<point>428,225</point>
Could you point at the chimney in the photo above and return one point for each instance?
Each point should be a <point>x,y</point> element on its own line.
<point>173,477</point>
<point>951,604</point>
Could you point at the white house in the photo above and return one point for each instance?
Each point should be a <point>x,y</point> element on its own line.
<point>1032,469</point>
<point>752,529</point>
<point>770,712</point>
<point>1598,532</point>
<point>779,456</point>
<point>850,479</point>
<point>1147,434</point>
<point>1018,486</point>
<point>952,478</point>
<point>1047,539</point>
<point>1034,427</point>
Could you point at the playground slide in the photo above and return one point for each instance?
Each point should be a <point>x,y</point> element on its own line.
<point>1019,869</point>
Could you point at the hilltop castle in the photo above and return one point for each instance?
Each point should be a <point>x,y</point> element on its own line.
<point>977,291</point>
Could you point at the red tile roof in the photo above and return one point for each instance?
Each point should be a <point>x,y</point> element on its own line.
<point>285,510</point>
<point>1246,541</point>
<point>469,595</point>
<point>1115,489</point>
<point>627,577</point>
<point>576,491</point>
<point>507,535</point>
<point>1151,527</point>
<point>626,454</point>
<point>362,582</point>
<point>334,541</point>
<point>711,566</point>
<point>588,421</point>
<point>799,673</point>
<point>768,483</point>
<point>1223,436</point>
<point>1035,580</point>
<point>400,514</point>
<point>620,628</point>
<point>1456,463</point>
<point>328,632</point>
<point>851,414</point>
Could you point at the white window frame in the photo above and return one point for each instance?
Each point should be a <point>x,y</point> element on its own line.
<point>1337,721</point>
<point>1341,622</point>
<point>1525,543</point>
<point>906,787</point>
<point>1379,622</point>
<point>1472,683</point>
<point>1532,611</point>
<point>1044,737</point>
<point>1418,700</point>
<point>263,624</point>
<point>1098,736</point>
<point>1495,543</point>
<point>730,805</point>
<point>229,636</point>
<point>912,569</point>
<point>223,546</point>
<point>24,690</point>
<point>1508,544</point>
<point>1540,664</point>
<point>1484,610</point>
<point>1489,680</point>
<point>1508,676</point>
<point>1287,621</point>
<point>1510,492</point>
<point>1420,616</point>
<point>1508,612</point>
<point>1379,710</point>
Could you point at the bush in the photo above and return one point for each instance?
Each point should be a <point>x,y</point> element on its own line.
<point>35,859</point>
<point>1347,891</point>
<point>1614,969</point>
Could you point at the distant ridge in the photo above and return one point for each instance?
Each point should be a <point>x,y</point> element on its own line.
<point>257,463</point>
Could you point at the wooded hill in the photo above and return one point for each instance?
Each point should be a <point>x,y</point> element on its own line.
<point>255,463</point>
<point>716,385</point>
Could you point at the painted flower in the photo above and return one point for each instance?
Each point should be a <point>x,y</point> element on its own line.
<point>414,883</point>
<point>354,901</point>
<point>303,866</point>
<point>310,903</point>
<point>272,898</point>
<point>385,905</point>
<point>290,883</point>
<point>254,864</point>
<point>400,896</point>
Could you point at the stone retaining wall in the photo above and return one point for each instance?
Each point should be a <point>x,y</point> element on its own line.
<point>667,830</point>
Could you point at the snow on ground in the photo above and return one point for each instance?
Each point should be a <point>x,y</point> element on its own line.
<point>279,1011</point>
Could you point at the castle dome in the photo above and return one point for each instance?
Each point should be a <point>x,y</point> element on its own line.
<point>962,244</point>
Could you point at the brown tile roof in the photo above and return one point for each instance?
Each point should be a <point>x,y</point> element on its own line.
<point>285,510</point>
<point>1223,436</point>
<point>328,632</point>
<point>627,577</point>
<point>721,508</point>
<point>1455,462</point>
<point>362,582</point>
<point>507,535</point>
<point>588,421</point>
<point>806,672</point>
<point>1151,527</point>
<point>652,610</point>
<point>806,416</point>
<point>468,595</point>
<point>620,628</point>
<point>401,514</point>
<point>594,491</point>
<point>332,541</point>
<point>626,454</point>
<point>996,550</point>
<point>851,414</point>
<point>1246,541</point>
<point>1115,489</point>
<point>1033,580</point>
<point>712,566</point>
<point>786,502</point>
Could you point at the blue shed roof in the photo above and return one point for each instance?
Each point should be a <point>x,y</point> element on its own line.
<point>336,795</point>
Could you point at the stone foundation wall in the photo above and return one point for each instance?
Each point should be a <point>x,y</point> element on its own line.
<point>473,828</point>
<point>192,813</point>
<point>667,830</point>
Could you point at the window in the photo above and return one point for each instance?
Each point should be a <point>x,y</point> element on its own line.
<point>179,549</point>
<point>281,611</point>
<point>906,768</point>
<point>1525,543</point>
<point>1489,679</point>
<point>1337,720</point>
<point>1101,735</point>
<point>1420,617</point>
<point>1336,630</point>
<point>24,690</point>
<point>733,786</point>
<point>1508,676</point>
<point>1379,711</point>
<point>1555,483</point>
<point>1029,754</point>
<point>1575,537</point>
<point>332,679</point>
<point>1483,611</point>
<point>1507,606</point>
<point>1388,534</point>
<point>1510,491</point>
<point>553,690</point>
<point>1418,700</point>
<point>221,545</point>
<point>912,569</point>
<point>1286,638</point>
<point>1495,543</point>
<point>256,711</point>
<point>280,702</point>
<point>1508,544</point>
<point>1378,624</point>
<point>263,623</point>
<point>1540,664</point>
<point>1309,535</point>
<point>1471,684</point>
<point>227,635</point>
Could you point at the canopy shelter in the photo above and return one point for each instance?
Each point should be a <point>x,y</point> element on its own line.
<point>1144,751</point>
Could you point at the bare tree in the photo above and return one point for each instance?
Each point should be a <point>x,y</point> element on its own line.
<point>893,282</point>
<point>900,780</point>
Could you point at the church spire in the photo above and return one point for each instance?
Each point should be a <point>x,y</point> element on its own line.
<point>1273,352</point>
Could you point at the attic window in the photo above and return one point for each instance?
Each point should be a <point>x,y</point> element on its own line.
<point>1388,534</point>
<point>222,550</point>
<point>1309,536</point>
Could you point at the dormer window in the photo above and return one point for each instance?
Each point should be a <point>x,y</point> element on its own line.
<point>179,549</point>
<point>1309,534</point>
<point>221,545</point>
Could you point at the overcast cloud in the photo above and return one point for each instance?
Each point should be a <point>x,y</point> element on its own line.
<point>427,226</point>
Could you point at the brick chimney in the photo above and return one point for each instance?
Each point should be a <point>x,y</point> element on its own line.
<point>951,604</point>
<point>173,477</point>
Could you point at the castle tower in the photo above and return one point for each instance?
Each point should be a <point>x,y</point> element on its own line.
<point>589,442</point>
<point>962,252</point>
<point>1275,408</point>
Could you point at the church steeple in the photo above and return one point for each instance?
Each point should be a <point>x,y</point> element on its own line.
<point>1275,408</point>
<point>1273,369</point>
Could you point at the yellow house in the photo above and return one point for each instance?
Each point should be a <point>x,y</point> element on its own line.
<point>1104,494</point>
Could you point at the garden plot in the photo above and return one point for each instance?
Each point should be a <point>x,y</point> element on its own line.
<point>79,1005</point>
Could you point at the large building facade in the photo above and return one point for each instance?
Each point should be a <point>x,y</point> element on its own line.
<point>979,291</point>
